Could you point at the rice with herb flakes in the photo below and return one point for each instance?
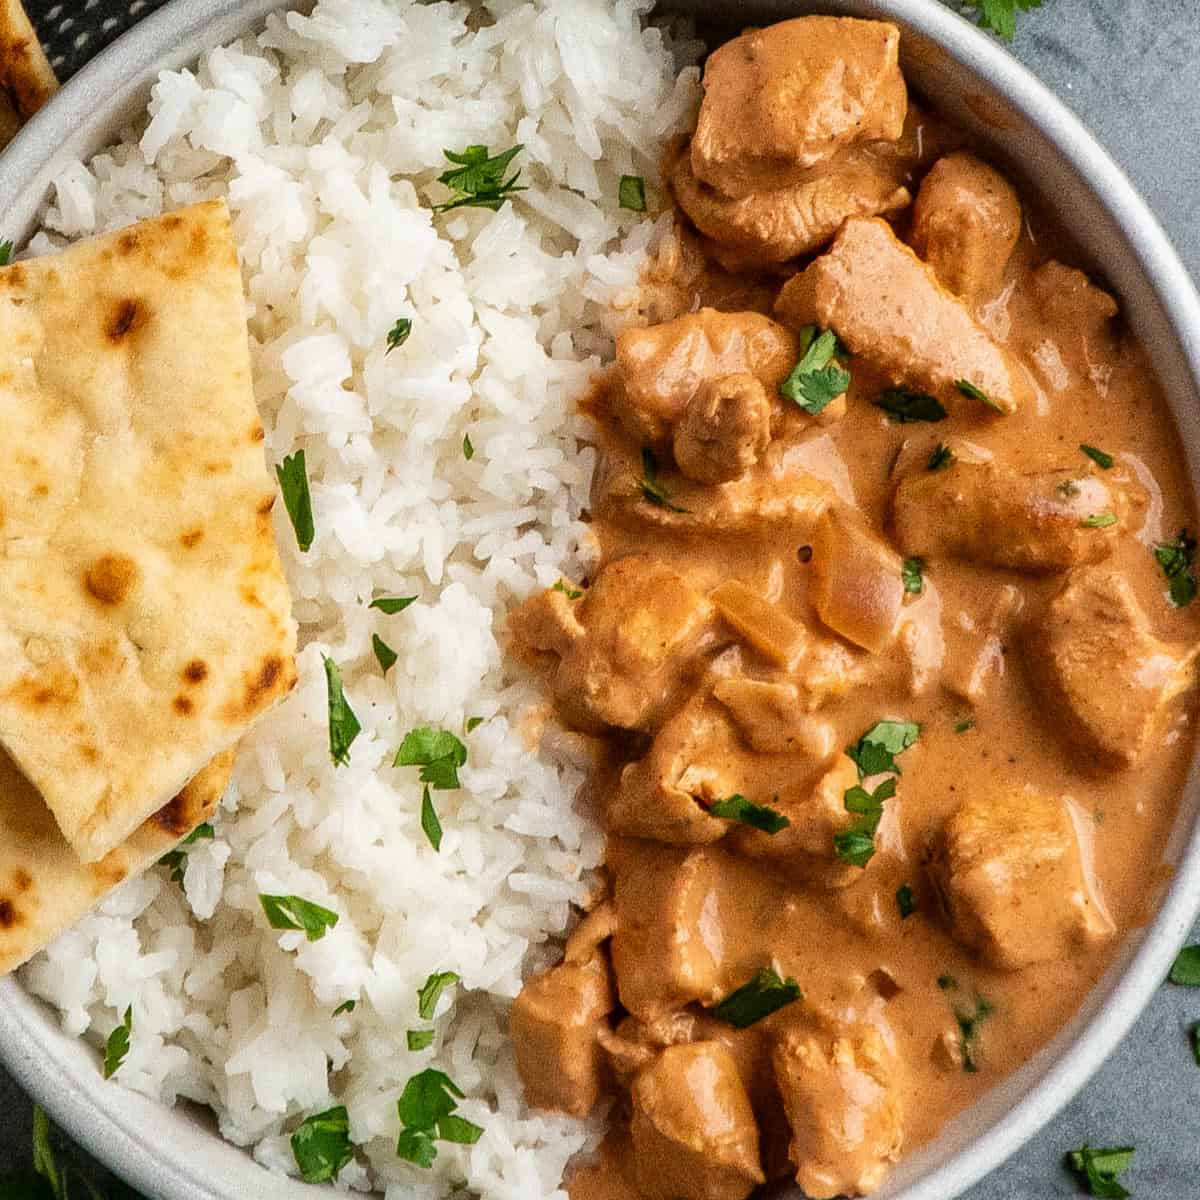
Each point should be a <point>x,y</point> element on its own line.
<point>326,135</point>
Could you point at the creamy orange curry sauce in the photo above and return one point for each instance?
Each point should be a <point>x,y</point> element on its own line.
<point>886,660</point>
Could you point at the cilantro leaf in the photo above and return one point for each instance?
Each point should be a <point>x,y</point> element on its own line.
<point>1176,559</point>
<point>431,991</point>
<point>346,1006</point>
<point>941,458</point>
<point>322,1146</point>
<point>631,193</point>
<point>817,379</point>
<point>117,1046</point>
<point>1000,16</point>
<point>430,825</point>
<point>1098,1169</point>
<point>875,752</point>
<point>6,249</point>
<point>416,1146</point>
<point>1102,460</point>
<point>477,179</point>
<point>467,448</point>
<point>292,474</point>
<point>906,901</point>
<point>972,392</point>
<point>1185,970</point>
<point>856,845</point>
<point>437,752</point>
<point>964,725</point>
<point>764,994</point>
<point>473,723</point>
<point>343,724</point>
<point>968,1028</point>
<point>571,593</point>
<point>758,816</point>
<point>44,1162</point>
<point>392,604</point>
<point>292,912</point>
<point>1100,520</point>
<point>459,1130</point>
<point>384,654</point>
<point>652,490</point>
<point>906,407</point>
<point>419,1039</point>
<point>912,576</point>
<point>398,334</point>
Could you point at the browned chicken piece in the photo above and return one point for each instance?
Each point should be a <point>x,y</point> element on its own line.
<point>696,760</point>
<point>1106,678</point>
<point>841,1084</point>
<point>668,948</point>
<point>725,427</point>
<point>596,927</point>
<point>620,646</point>
<point>772,495</point>
<point>1011,872</point>
<point>660,368</point>
<point>965,224</point>
<point>694,1133</point>
<point>985,512</point>
<point>555,1025</point>
<point>1077,315</point>
<point>976,653</point>
<point>888,306</point>
<point>779,100</point>
<point>805,848</point>
<point>857,586</point>
<point>771,227</point>
<point>772,719</point>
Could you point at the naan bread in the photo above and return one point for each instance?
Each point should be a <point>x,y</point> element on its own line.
<point>45,889</point>
<point>144,617</point>
<point>26,78</point>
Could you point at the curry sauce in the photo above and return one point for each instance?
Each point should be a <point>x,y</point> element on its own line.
<point>886,662</point>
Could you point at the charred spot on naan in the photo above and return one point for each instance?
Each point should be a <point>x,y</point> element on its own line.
<point>53,686</point>
<point>274,678</point>
<point>196,671</point>
<point>191,539</point>
<point>124,318</point>
<point>198,800</point>
<point>26,77</point>
<point>111,578</point>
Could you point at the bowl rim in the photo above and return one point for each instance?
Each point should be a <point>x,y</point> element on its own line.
<point>72,1090</point>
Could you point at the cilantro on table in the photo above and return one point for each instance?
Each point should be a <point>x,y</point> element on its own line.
<point>1176,559</point>
<point>398,334</point>
<point>1185,970</point>
<point>477,178</point>
<point>1099,457</point>
<point>905,407</point>
<point>873,754</point>
<point>631,193</point>
<point>293,912</point>
<point>764,994</point>
<point>1194,1035</point>
<point>968,389</point>
<point>758,816</point>
<point>817,379</point>
<point>652,490</point>
<point>427,1114</point>
<point>117,1046</point>
<point>176,860</point>
<point>322,1146</point>
<point>941,457</point>
<point>1098,1169</point>
<point>430,992</point>
<point>392,604</point>
<point>292,474</point>
<point>385,656</point>
<point>343,724</point>
<point>1000,16</point>
<point>912,575</point>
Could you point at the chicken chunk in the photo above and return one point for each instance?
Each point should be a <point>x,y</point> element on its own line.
<point>725,427</point>
<point>1011,871</point>
<point>805,848</point>
<point>660,368</point>
<point>1078,316</point>
<point>694,1133</point>
<point>965,224</point>
<point>619,648</point>
<point>889,307</point>
<point>1106,678</point>
<point>782,99</point>
<point>985,512</point>
<point>841,1085</point>
<point>772,719</point>
<point>555,1025</point>
<point>857,587</point>
<point>668,949</point>
<point>696,760</point>
<point>770,227</point>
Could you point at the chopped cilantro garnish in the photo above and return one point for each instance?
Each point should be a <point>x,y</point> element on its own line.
<point>972,392</point>
<point>322,1146</point>
<point>398,334</point>
<point>764,994</point>
<point>392,604</point>
<point>941,458</point>
<point>947,982</point>
<point>968,1027</point>
<point>346,1006</point>
<point>652,490</point>
<point>426,1109</point>
<point>631,193</point>
<point>437,752</point>
<point>176,860</point>
<point>571,593</point>
<point>473,723</point>
<point>1098,1169</point>
<point>906,901</point>
<point>965,724</point>
<point>117,1046</point>
<point>6,249</point>
<point>759,816</point>
<point>1100,520</point>
<point>905,407</point>
<point>384,654</point>
<point>911,574</point>
<point>817,379</point>
<point>431,826</point>
<point>1102,460</point>
<point>856,845</point>
<point>1176,559</point>
<point>468,448</point>
<point>419,1039</point>
<point>343,724</point>
<point>477,179</point>
<point>292,474</point>
<point>1000,16</point>
<point>431,991</point>
<point>292,912</point>
<point>875,752</point>
<point>1185,971</point>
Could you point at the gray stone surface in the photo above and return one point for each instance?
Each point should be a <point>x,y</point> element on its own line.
<point>1131,70</point>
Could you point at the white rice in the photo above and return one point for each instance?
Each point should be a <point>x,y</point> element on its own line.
<point>325,134</point>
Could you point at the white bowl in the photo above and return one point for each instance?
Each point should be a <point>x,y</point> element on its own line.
<point>176,1155</point>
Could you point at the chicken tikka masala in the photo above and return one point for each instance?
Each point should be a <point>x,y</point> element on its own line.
<point>886,658</point>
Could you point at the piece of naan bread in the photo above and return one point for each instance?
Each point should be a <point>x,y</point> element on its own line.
<point>26,78</point>
<point>45,889</point>
<point>144,618</point>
